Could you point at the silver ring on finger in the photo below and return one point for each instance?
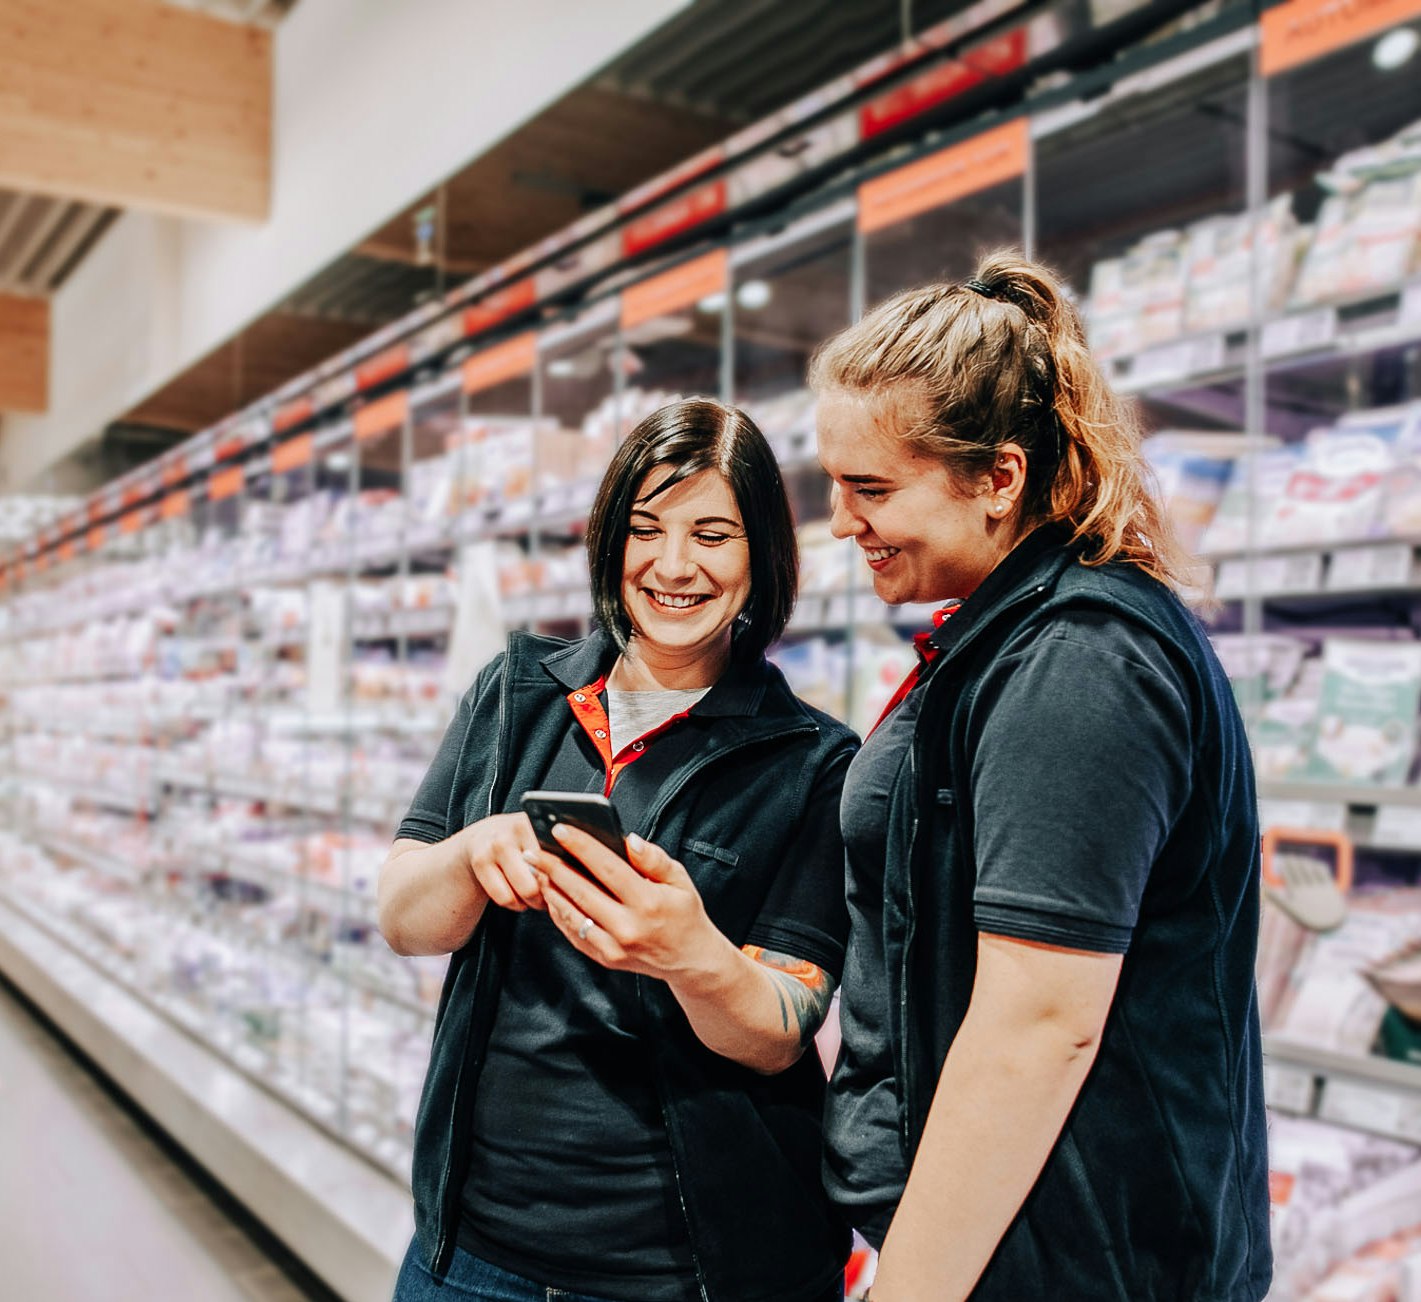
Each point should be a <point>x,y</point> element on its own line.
<point>587,925</point>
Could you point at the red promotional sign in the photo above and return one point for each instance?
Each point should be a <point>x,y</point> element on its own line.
<point>944,81</point>
<point>674,217</point>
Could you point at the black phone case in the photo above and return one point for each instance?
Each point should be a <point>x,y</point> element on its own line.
<point>544,813</point>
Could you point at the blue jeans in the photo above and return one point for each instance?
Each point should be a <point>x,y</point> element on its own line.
<point>472,1278</point>
<point>480,1281</point>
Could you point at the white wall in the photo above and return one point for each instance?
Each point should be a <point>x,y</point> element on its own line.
<point>375,102</point>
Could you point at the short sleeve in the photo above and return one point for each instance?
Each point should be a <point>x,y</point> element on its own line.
<point>804,914</point>
<point>428,816</point>
<point>1080,771</point>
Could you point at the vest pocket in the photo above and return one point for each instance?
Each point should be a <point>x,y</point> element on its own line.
<point>709,851</point>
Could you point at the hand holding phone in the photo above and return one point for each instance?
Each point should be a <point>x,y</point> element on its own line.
<point>587,812</point>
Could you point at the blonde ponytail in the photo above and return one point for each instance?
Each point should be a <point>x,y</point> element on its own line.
<point>1002,358</point>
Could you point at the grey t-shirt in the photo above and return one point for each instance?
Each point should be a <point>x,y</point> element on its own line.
<point>634,714</point>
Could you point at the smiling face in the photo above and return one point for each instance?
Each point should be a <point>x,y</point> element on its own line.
<point>686,573</point>
<point>925,536</point>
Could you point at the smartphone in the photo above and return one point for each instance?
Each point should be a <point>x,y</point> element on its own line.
<point>587,812</point>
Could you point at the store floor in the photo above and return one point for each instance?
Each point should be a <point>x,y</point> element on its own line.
<point>95,1207</point>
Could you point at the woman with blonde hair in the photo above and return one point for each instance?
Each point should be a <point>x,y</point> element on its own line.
<point>1050,1079</point>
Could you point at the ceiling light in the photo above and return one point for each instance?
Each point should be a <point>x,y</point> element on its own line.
<point>753,295</point>
<point>712,302</point>
<point>1395,48</point>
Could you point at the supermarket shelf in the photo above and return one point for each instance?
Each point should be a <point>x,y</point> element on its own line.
<point>1364,1093</point>
<point>90,791</point>
<point>324,894</point>
<point>90,856</point>
<point>1341,794</point>
<point>348,1220</point>
<point>431,621</point>
<point>1331,572</point>
<point>275,791</point>
<point>1361,323</point>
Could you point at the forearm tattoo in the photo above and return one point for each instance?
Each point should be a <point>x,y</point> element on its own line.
<point>803,988</point>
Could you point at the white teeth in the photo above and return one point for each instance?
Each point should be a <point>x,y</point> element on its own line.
<point>676,602</point>
<point>881,553</point>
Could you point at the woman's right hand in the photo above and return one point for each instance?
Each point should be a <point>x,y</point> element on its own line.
<point>493,851</point>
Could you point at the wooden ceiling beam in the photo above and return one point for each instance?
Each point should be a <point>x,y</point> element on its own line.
<point>136,104</point>
<point>24,353</point>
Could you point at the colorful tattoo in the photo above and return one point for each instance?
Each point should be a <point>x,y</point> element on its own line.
<point>803,988</point>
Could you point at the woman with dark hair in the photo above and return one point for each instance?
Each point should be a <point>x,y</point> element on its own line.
<point>619,1104</point>
<point>1050,1081</point>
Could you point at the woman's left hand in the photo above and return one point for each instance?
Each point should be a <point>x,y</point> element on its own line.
<point>646,916</point>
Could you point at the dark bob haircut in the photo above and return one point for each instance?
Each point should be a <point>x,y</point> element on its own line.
<point>689,436</point>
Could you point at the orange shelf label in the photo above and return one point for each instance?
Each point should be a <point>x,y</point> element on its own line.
<point>229,448</point>
<point>131,521</point>
<point>293,454</point>
<point>383,366</point>
<point>94,512</point>
<point>675,289</point>
<point>939,179</point>
<point>65,551</point>
<point>382,415</point>
<point>40,563</point>
<point>505,361</point>
<point>95,538</point>
<point>1302,30</point>
<point>222,484</point>
<point>292,414</point>
<point>499,306</point>
<point>174,472</point>
<point>174,505</point>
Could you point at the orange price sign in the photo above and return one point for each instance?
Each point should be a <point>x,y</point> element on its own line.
<point>95,538</point>
<point>292,414</point>
<point>1302,30</point>
<point>675,289</point>
<point>939,179</point>
<point>382,415</point>
<point>66,550</point>
<point>174,505</point>
<point>132,521</point>
<point>505,361</point>
<point>383,366</point>
<point>499,306</point>
<point>222,484</point>
<point>293,454</point>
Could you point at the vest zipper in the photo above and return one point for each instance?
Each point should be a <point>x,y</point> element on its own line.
<point>441,1262</point>
<point>651,823</point>
<point>680,1192</point>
